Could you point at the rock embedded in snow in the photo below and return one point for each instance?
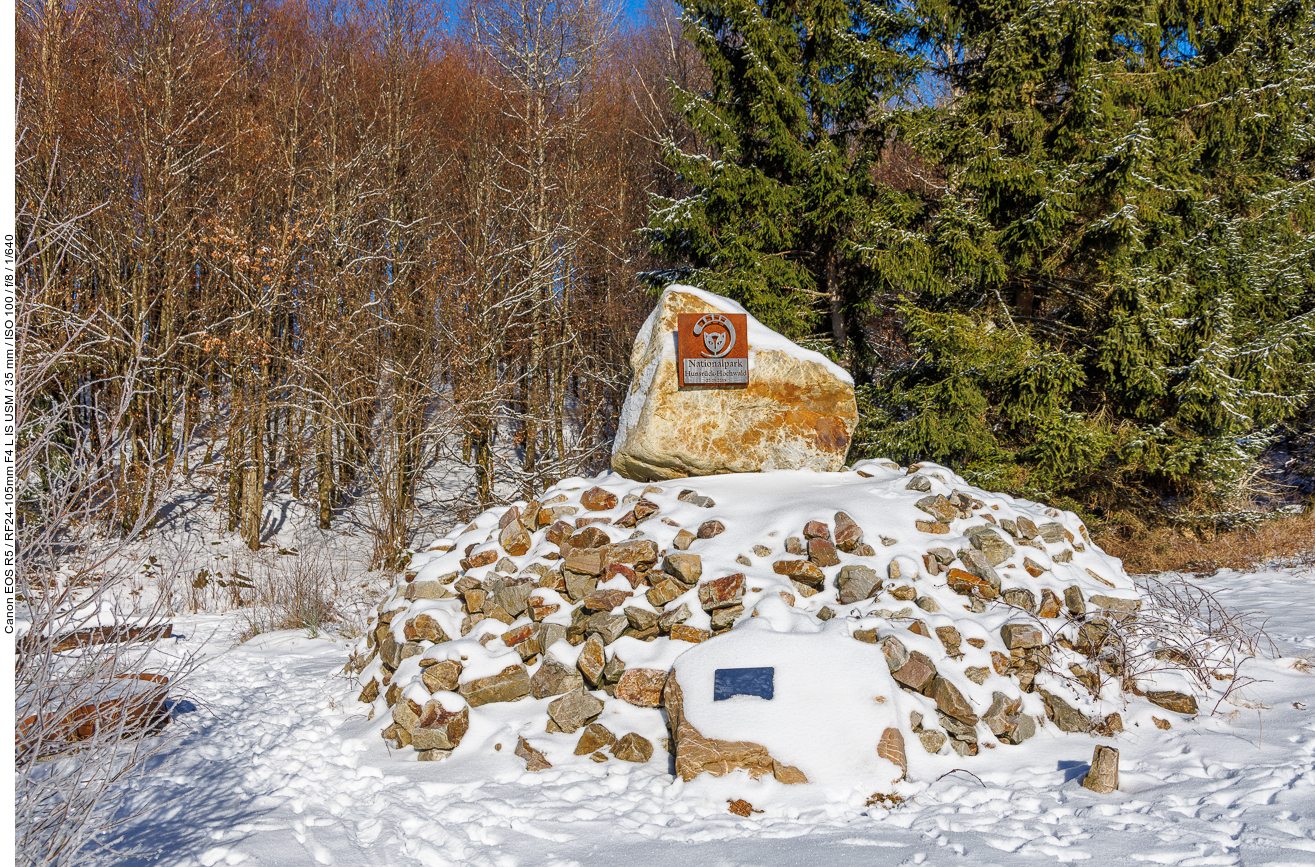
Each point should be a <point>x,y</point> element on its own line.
<point>797,411</point>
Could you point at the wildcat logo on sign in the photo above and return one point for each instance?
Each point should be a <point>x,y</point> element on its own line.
<point>713,348</point>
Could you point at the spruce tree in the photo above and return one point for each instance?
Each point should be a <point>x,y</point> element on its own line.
<point>782,212</point>
<point>1125,248</point>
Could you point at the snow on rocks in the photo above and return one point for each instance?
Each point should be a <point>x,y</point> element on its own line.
<point>797,411</point>
<point>945,641</point>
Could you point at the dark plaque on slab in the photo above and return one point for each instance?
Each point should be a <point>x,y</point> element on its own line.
<point>730,682</point>
<point>712,349</point>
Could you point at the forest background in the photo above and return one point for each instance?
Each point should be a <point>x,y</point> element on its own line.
<point>1064,248</point>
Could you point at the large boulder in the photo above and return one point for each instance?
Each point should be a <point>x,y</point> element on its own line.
<point>797,411</point>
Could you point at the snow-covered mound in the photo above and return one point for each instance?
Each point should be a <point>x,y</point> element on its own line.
<point>831,629</point>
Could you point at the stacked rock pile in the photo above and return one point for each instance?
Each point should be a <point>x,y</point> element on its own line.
<point>993,615</point>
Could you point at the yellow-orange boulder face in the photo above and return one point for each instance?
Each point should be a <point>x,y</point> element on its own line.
<point>797,411</point>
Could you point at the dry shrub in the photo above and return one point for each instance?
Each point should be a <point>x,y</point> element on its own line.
<point>1172,549</point>
<point>297,591</point>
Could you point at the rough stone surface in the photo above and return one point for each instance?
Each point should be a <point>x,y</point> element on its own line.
<point>857,583</point>
<point>440,729</point>
<point>553,678</point>
<point>696,754</point>
<point>799,570</point>
<point>511,684</point>
<point>534,760</point>
<point>916,673</point>
<point>596,736</point>
<point>849,535</point>
<point>574,710</point>
<point>1175,701</point>
<point>950,701</point>
<point>891,747</point>
<point>685,568</point>
<point>642,687</point>
<point>822,553</point>
<point>1062,714</point>
<point>1103,777</point>
<point>795,413</point>
<point>710,529</point>
<point>1020,635</point>
<point>591,661</point>
<point>633,748</point>
<point>721,593</point>
<point>598,500</point>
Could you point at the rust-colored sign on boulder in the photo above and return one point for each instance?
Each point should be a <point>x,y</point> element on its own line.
<point>713,348</point>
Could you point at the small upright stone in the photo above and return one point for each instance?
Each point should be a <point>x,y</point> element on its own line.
<point>633,748</point>
<point>574,710</point>
<point>848,533</point>
<point>709,529</point>
<point>1103,777</point>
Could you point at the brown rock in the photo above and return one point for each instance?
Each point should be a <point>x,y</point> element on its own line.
<point>605,600</point>
<point>681,632</point>
<point>553,678</point>
<point>1163,724</point>
<point>685,568</point>
<point>951,640</point>
<point>641,687</point>
<point>639,554</point>
<point>1074,601</point>
<point>633,748</point>
<point>1051,606</point>
<point>560,531</point>
<point>793,414</point>
<point>514,540</point>
<point>1033,568</point>
<point>424,628</point>
<point>587,562</point>
<point>799,570</point>
<point>1062,714</point>
<point>1020,598</point>
<point>967,584</point>
<point>950,701</point>
<point>822,553</point>
<point>721,593</point>
<point>370,691</point>
<point>999,662</point>
<point>891,748</point>
<point>935,527</point>
<point>683,540</point>
<point>663,592</point>
<point>440,729</point>
<point>857,583</point>
<point>904,594</point>
<point>597,500</point>
<point>724,618</point>
<point>595,737</point>
<point>848,533</point>
<point>709,529</point>
<point>939,508</point>
<point>574,710</point>
<point>916,673</point>
<point>591,660</point>
<point>670,618</point>
<point>740,807</point>
<point>1020,635</point>
<point>696,754</point>
<point>1175,701</point>
<point>795,545</point>
<point>534,760</point>
<point>817,530</point>
<point>539,609</point>
<point>894,650</point>
<point>1103,777</point>
<point>483,558</point>
<point>511,684</point>
<point>588,538</point>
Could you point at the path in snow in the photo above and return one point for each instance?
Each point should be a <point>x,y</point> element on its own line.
<point>277,767</point>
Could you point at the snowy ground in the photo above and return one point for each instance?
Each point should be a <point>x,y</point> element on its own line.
<point>272,763</point>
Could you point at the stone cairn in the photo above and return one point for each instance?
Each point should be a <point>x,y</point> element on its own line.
<point>586,568</point>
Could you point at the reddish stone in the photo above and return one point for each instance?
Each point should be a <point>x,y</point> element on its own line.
<point>605,600</point>
<point>968,584</point>
<point>891,748</point>
<point>597,500</point>
<point>799,570</point>
<point>817,530</point>
<point>721,593</point>
<point>848,533</point>
<point>642,687</point>
<point>681,632</point>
